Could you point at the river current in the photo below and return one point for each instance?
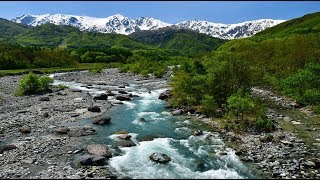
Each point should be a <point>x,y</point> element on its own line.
<point>191,156</point>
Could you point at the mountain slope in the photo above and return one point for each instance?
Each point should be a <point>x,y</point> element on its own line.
<point>309,23</point>
<point>122,25</point>
<point>9,29</point>
<point>184,40</point>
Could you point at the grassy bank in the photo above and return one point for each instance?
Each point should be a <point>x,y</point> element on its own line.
<point>80,67</point>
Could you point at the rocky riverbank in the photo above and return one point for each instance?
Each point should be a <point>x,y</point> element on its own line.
<point>34,142</point>
<point>279,154</point>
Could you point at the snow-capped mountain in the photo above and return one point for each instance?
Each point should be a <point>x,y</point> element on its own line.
<point>230,31</point>
<point>123,25</point>
<point>113,24</point>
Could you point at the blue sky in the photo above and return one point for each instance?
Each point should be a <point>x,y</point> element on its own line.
<point>171,12</point>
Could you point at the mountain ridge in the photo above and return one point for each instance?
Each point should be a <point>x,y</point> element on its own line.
<point>120,24</point>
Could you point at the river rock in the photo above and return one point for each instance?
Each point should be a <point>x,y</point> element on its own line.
<point>102,96</point>
<point>101,120</point>
<point>99,150</point>
<point>147,138</point>
<point>94,109</point>
<point>309,164</point>
<point>176,112</point>
<point>287,143</point>
<point>124,136</point>
<point>25,129</point>
<point>126,143</point>
<point>44,98</point>
<point>92,160</point>
<point>121,86</point>
<point>45,115</point>
<point>141,120</point>
<point>61,130</point>
<point>77,131</point>
<point>197,132</point>
<point>75,90</point>
<point>110,94</point>
<point>7,147</point>
<point>159,158</point>
<point>316,162</point>
<point>123,98</point>
<point>122,92</point>
<point>28,161</point>
<point>163,96</point>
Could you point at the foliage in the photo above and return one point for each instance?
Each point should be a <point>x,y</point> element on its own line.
<point>239,104</point>
<point>33,84</point>
<point>208,105</point>
<point>263,124</point>
<point>97,68</point>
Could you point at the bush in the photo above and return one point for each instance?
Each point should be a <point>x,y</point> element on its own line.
<point>29,84</point>
<point>239,104</point>
<point>45,82</point>
<point>317,109</point>
<point>32,84</point>
<point>97,68</point>
<point>311,96</point>
<point>263,124</point>
<point>159,73</point>
<point>208,105</point>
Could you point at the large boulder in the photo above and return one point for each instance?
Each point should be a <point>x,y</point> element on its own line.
<point>94,109</point>
<point>101,97</point>
<point>92,160</point>
<point>163,96</point>
<point>7,147</point>
<point>25,129</point>
<point>177,112</point>
<point>197,132</point>
<point>77,131</point>
<point>99,150</point>
<point>126,143</point>
<point>123,98</point>
<point>124,136</point>
<point>122,92</point>
<point>61,130</point>
<point>159,158</point>
<point>44,98</point>
<point>101,120</point>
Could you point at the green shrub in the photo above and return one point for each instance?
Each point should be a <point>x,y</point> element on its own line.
<point>159,73</point>
<point>144,73</point>
<point>45,82</point>
<point>32,84</point>
<point>317,109</point>
<point>208,105</point>
<point>97,68</point>
<point>263,124</point>
<point>29,84</point>
<point>240,104</point>
<point>311,96</point>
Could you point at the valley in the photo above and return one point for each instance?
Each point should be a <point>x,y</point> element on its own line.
<point>83,97</point>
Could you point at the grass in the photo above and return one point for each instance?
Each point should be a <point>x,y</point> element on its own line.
<point>80,67</point>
